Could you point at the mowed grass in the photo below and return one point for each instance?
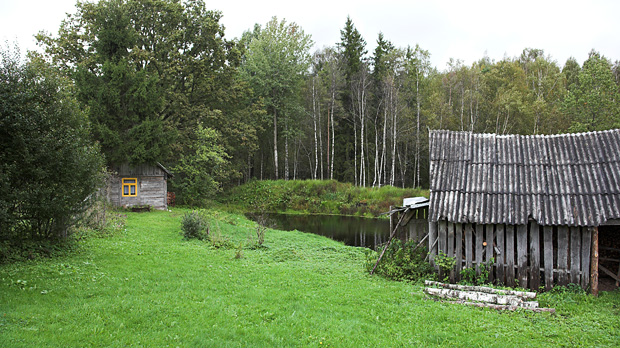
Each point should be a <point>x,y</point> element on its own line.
<point>147,287</point>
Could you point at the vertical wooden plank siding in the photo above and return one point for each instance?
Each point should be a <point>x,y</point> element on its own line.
<point>548,256</point>
<point>443,231</point>
<point>534,256</point>
<point>469,229</point>
<point>501,251</point>
<point>594,262</point>
<point>458,249</point>
<point>510,255</point>
<point>575,255</point>
<point>562,265</point>
<point>479,247</point>
<point>450,251</point>
<point>450,247</point>
<point>522,255</point>
<point>489,251</point>
<point>432,238</point>
<point>586,245</point>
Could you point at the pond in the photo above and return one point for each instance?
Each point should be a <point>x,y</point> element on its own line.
<point>351,230</point>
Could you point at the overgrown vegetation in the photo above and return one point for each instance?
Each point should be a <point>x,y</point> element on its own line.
<point>316,197</point>
<point>401,261</point>
<point>148,286</point>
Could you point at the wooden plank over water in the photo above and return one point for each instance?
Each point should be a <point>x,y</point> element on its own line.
<point>575,255</point>
<point>499,237</point>
<point>562,266</point>
<point>548,256</point>
<point>534,255</point>
<point>522,255</point>
<point>510,255</point>
<point>586,246</point>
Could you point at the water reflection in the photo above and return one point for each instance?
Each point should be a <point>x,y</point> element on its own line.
<point>354,231</point>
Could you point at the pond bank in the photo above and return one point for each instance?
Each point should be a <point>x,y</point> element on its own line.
<point>316,197</point>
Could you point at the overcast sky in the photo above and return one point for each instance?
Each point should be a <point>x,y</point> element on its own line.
<point>466,30</point>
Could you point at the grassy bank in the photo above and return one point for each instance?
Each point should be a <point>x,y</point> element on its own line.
<point>147,287</point>
<point>317,197</point>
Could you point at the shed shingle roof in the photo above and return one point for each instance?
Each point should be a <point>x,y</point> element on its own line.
<point>568,179</point>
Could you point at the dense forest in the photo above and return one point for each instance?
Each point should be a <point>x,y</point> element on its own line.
<point>161,83</point>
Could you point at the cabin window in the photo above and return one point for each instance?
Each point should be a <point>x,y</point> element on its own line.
<point>130,187</point>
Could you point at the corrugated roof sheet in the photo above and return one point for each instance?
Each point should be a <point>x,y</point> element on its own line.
<point>567,179</point>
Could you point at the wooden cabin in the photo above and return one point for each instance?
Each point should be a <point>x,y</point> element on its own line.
<point>528,208</point>
<point>140,185</point>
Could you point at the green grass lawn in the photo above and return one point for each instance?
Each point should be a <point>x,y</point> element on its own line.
<point>147,287</point>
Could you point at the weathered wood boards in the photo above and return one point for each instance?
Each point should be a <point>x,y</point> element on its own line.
<point>529,256</point>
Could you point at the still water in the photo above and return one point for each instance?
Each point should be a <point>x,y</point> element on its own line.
<point>354,231</point>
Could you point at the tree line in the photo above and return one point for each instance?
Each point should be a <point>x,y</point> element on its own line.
<point>160,82</point>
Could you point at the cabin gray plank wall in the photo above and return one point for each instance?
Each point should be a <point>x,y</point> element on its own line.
<point>575,255</point>
<point>534,256</point>
<point>548,256</point>
<point>522,255</point>
<point>501,254</point>
<point>510,255</point>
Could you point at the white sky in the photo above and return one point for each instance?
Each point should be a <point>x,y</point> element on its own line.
<point>466,29</point>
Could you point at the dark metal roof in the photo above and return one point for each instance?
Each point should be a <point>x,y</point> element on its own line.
<point>567,179</point>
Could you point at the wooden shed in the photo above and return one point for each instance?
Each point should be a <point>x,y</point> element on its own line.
<point>139,185</point>
<point>529,208</point>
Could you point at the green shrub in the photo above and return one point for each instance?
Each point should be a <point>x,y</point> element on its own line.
<point>194,226</point>
<point>401,261</point>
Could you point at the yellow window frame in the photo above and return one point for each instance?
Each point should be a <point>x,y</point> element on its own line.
<point>129,187</point>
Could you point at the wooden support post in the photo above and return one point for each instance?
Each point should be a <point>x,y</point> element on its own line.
<point>548,256</point>
<point>534,256</point>
<point>510,255</point>
<point>594,263</point>
<point>501,251</point>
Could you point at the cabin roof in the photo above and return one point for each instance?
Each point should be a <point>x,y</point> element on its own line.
<point>567,179</point>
